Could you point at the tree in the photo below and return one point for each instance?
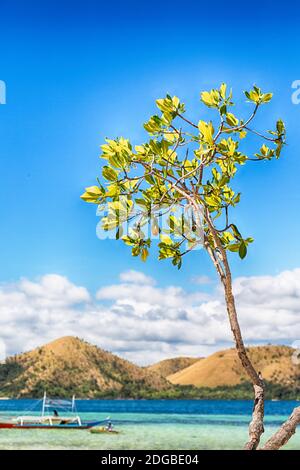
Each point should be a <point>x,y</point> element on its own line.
<point>183,173</point>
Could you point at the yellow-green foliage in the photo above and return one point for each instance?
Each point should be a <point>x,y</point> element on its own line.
<point>183,163</point>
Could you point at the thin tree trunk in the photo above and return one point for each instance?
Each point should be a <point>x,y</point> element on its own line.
<point>284,433</point>
<point>220,260</point>
<point>256,427</point>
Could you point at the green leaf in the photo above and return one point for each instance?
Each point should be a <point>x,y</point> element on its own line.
<point>150,179</point>
<point>154,125</point>
<point>136,251</point>
<point>266,97</point>
<point>211,98</point>
<point>87,197</point>
<point>142,202</point>
<point>128,240</point>
<point>165,251</point>
<point>279,144</point>
<point>169,106</point>
<point>254,95</point>
<point>243,250</point>
<point>236,231</point>
<point>92,194</point>
<point>109,173</point>
<point>119,233</point>
<point>177,261</point>
<point>223,109</point>
<point>166,239</point>
<point>144,254</point>
<point>280,127</point>
<point>231,119</point>
<point>234,247</point>
<point>207,131</point>
<point>223,89</point>
<point>94,190</point>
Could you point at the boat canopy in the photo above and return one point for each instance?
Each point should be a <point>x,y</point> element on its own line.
<point>51,413</point>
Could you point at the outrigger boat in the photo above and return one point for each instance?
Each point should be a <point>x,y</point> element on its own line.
<point>51,417</point>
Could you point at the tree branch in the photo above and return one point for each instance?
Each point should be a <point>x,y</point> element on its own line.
<point>245,124</point>
<point>284,433</point>
<point>270,139</point>
<point>187,120</point>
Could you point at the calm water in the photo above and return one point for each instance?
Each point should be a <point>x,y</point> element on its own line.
<point>151,424</point>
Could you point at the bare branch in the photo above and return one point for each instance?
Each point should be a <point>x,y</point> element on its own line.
<point>284,433</point>
<point>187,120</point>
<point>245,124</point>
<point>261,135</point>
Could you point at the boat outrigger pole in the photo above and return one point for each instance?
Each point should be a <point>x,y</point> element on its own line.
<point>44,404</point>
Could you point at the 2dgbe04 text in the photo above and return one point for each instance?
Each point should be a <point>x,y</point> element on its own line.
<point>171,459</point>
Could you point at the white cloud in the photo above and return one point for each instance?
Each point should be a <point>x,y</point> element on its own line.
<point>144,322</point>
<point>201,280</point>
<point>136,277</point>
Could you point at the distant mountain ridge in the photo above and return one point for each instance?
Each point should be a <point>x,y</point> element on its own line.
<point>70,366</point>
<point>223,368</point>
<point>167,367</point>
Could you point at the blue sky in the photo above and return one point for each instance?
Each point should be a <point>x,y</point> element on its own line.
<point>77,72</point>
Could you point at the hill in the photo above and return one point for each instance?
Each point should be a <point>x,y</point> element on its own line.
<point>224,369</point>
<point>171,366</point>
<point>70,365</point>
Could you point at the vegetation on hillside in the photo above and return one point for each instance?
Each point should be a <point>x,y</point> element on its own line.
<point>71,366</point>
<point>224,368</point>
<point>173,365</point>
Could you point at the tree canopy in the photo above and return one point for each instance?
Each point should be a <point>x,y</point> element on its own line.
<point>182,173</point>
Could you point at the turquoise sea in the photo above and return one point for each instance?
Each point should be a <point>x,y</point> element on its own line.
<point>151,424</point>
